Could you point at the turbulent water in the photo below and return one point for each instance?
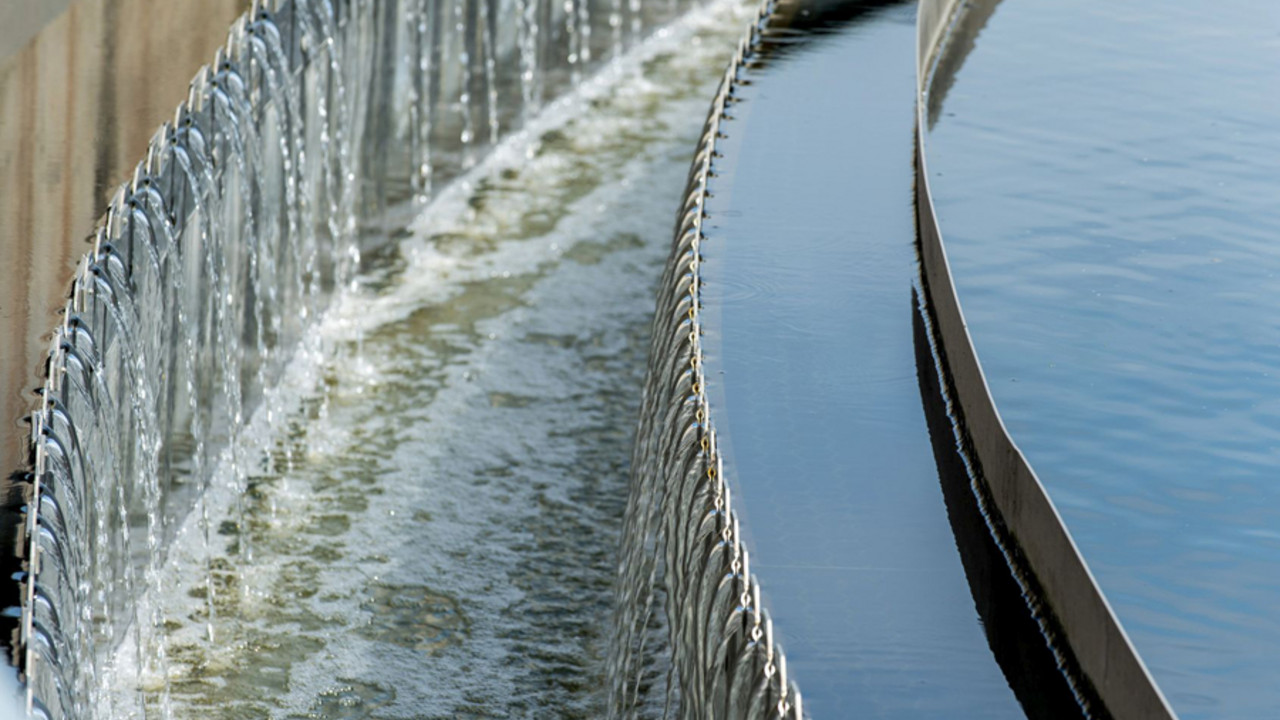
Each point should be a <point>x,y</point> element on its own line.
<point>431,530</point>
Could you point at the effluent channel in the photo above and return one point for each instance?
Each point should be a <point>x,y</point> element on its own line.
<point>420,516</point>
<point>432,530</point>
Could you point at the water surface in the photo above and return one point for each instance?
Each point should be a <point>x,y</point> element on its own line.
<point>809,263</point>
<point>1105,181</point>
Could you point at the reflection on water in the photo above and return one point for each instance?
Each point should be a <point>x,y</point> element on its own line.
<point>1027,641</point>
<point>434,532</point>
<point>1105,176</point>
<point>809,263</point>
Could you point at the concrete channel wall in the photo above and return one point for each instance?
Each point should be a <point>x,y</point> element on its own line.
<point>1103,651</point>
<point>75,116</point>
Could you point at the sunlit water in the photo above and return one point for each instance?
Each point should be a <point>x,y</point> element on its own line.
<point>432,531</point>
<point>1106,184</point>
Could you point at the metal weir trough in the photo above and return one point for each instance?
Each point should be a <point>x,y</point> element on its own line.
<point>1068,603</point>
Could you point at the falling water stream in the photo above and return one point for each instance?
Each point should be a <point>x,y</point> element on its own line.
<point>432,503</point>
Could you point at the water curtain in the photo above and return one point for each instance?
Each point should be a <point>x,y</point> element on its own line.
<point>692,638</point>
<point>316,123</point>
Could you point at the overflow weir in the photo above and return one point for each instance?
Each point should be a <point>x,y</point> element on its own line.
<point>777,484</point>
<point>317,130</point>
<point>1107,207</point>
<point>785,530</point>
<point>1070,606</point>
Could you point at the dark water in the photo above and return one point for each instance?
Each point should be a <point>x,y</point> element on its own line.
<point>809,263</point>
<point>1105,176</point>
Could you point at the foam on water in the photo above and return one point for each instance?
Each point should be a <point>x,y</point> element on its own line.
<point>437,484</point>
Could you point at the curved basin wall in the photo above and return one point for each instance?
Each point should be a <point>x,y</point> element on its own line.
<point>810,282</point>
<point>252,208</point>
<point>1075,607</point>
<point>1110,218</point>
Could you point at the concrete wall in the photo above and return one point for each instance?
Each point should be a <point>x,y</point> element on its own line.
<point>83,85</point>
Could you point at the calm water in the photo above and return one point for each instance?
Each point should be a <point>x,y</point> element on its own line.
<point>433,533</point>
<point>809,264</point>
<point>1106,184</point>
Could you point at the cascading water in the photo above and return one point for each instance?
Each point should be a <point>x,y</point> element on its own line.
<point>186,307</point>
<point>231,234</point>
<point>286,166</point>
<point>691,635</point>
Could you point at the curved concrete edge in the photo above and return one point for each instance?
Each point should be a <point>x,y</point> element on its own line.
<point>682,545</point>
<point>1102,649</point>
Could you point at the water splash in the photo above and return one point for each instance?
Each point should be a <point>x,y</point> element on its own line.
<point>254,207</point>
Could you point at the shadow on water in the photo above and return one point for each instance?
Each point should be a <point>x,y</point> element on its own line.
<point>797,24</point>
<point>1016,639</point>
<point>806,18</point>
